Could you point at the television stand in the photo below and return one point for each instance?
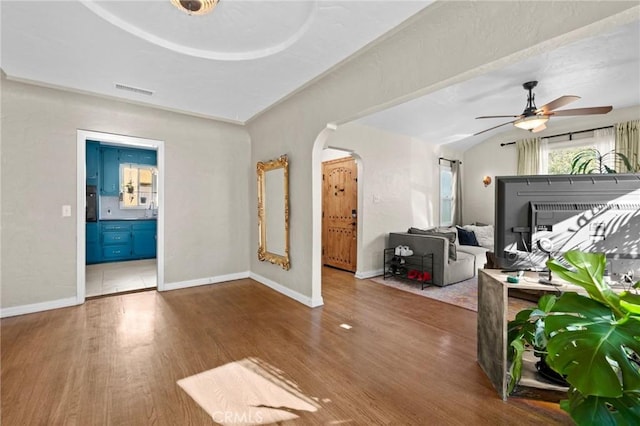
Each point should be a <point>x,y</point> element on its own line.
<point>493,292</point>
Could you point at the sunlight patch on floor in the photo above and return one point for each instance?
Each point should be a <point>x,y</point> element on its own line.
<point>247,392</point>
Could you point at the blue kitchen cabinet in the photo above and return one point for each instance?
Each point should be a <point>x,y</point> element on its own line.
<point>92,252</point>
<point>110,172</point>
<point>144,239</point>
<point>127,240</point>
<point>116,240</point>
<point>137,156</point>
<point>148,157</point>
<point>93,163</point>
<point>128,155</point>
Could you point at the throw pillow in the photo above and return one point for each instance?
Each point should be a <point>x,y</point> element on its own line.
<point>484,235</point>
<point>467,238</point>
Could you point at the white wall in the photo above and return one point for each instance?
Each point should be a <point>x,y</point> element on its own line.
<point>207,171</point>
<point>445,43</point>
<point>330,154</point>
<point>399,184</point>
<point>489,158</point>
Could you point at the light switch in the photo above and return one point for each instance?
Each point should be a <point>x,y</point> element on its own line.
<point>66,211</point>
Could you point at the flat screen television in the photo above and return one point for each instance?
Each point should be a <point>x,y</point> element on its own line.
<point>538,216</point>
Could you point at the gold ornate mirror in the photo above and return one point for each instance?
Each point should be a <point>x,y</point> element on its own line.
<point>273,211</point>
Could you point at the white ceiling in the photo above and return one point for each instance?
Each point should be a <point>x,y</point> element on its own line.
<point>602,70</point>
<point>247,55</point>
<point>230,64</point>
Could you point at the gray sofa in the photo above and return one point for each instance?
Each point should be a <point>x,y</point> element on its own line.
<point>445,271</point>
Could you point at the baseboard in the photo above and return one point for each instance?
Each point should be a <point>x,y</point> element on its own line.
<point>38,307</point>
<point>369,274</point>
<point>204,281</point>
<point>298,297</point>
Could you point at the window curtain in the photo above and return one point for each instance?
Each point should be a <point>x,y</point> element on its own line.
<point>456,174</point>
<point>628,143</point>
<point>604,142</point>
<point>528,156</point>
<point>543,164</point>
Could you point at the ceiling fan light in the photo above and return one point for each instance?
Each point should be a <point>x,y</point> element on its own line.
<point>195,7</point>
<point>531,122</point>
<point>539,128</point>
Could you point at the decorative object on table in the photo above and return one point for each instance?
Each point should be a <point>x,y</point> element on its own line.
<point>593,341</point>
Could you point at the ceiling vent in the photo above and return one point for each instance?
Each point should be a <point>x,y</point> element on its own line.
<point>133,89</point>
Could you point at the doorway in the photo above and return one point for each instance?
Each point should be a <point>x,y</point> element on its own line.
<point>115,277</point>
<point>340,213</point>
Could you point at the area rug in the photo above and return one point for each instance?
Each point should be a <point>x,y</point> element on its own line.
<point>463,294</point>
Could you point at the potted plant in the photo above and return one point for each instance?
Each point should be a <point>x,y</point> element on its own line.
<point>129,186</point>
<point>593,341</point>
<point>590,160</point>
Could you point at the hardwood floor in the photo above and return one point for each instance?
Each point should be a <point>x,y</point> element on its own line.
<point>406,360</point>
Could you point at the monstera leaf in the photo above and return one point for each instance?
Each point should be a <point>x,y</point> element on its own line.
<point>590,346</point>
<point>597,410</point>
<point>593,341</point>
<point>588,274</point>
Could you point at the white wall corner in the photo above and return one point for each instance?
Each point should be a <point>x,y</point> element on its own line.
<point>205,281</point>
<point>38,307</point>
<point>298,297</point>
<point>363,275</point>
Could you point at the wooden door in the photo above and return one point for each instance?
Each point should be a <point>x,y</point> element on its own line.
<point>339,213</point>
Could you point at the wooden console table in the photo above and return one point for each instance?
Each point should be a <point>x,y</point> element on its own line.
<point>493,292</point>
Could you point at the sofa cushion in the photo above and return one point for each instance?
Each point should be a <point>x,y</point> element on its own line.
<point>484,234</point>
<point>453,255</point>
<point>466,237</point>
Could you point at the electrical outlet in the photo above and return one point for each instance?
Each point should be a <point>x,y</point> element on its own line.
<point>66,210</point>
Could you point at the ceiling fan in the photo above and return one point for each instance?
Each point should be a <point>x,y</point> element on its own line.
<point>534,119</point>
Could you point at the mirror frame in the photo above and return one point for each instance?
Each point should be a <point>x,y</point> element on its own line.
<point>263,252</point>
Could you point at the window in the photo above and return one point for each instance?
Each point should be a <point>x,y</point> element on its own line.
<point>558,154</point>
<point>138,186</point>
<point>446,196</point>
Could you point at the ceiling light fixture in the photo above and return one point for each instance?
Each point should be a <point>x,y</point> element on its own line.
<point>195,7</point>
<point>531,122</point>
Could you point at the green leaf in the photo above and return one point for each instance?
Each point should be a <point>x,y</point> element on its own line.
<point>594,410</point>
<point>585,337</point>
<point>630,302</point>
<point>515,370</point>
<point>588,274</point>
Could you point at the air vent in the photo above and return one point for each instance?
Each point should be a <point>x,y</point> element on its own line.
<point>133,89</point>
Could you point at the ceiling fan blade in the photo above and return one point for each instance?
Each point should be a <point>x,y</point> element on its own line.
<point>499,116</point>
<point>582,111</point>
<point>539,128</point>
<point>557,103</point>
<point>494,127</point>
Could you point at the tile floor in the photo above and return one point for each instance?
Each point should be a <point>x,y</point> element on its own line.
<point>117,277</point>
